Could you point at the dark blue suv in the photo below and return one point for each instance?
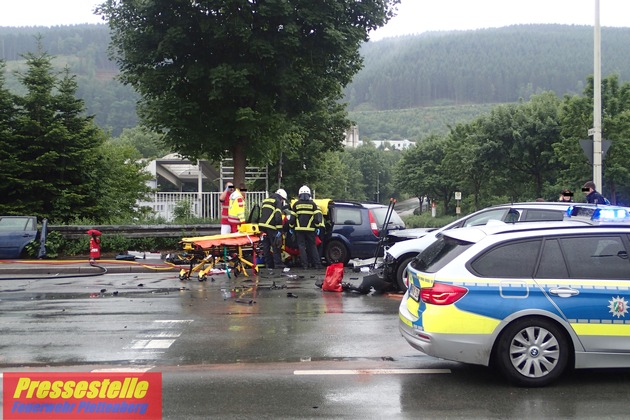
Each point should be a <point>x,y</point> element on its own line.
<point>353,228</point>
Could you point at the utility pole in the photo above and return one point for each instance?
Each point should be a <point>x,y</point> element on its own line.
<point>280,171</point>
<point>597,103</point>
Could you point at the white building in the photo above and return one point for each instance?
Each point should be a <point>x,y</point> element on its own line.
<point>352,137</point>
<point>177,171</point>
<point>393,144</point>
<point>352,140</point>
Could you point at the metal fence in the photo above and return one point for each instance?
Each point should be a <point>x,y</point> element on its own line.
<point>203,205</point>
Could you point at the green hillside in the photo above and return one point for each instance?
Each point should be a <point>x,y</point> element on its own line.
<point>409,87</point>
<point>483,66</point>
<point>414,123</point>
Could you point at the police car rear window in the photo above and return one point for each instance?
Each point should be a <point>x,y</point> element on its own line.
<point>537,215</point>
<point>511,260</point>
<point>439,253</point>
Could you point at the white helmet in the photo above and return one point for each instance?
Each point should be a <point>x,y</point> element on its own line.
<point>282,193</point>
<point>304,190</point>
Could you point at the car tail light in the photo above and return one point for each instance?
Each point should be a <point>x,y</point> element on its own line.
<point>373,224</point>
<point>442,294</point>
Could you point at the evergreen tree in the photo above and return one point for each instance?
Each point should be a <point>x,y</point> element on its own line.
<point>57,145</point>
<point>10,165</point>
<point>54,160</point>
<point>36,137</point>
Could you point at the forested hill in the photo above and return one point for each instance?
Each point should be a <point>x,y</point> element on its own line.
<point>83,48</point>
<point>483,66</point>
<point>428,70</point>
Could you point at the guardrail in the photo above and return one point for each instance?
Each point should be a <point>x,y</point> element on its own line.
<point>139,231</point>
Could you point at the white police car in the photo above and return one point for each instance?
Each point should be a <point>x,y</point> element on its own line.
<point>400,254</point>
<point>533,299</point>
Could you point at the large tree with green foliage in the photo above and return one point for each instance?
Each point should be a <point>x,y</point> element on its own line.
<point>524,135</point>
<point>246,78</point>
<point>577,118</point>
<point>122,182</point>
<point>469,158</point>
<point>421,172</point>
<point>148,143</point>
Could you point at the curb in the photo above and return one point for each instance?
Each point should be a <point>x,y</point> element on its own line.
<point>12,267</point>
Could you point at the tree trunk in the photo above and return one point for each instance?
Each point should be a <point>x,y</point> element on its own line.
<point>239,157</point>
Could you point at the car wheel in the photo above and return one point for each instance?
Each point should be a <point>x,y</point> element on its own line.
<point>401,273</point>
<point>336,251</point>
<point>532,352</point>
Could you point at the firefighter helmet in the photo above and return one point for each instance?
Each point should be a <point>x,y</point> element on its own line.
<point>304,190</point>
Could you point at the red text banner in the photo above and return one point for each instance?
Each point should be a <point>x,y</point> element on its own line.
<point>85,396</point>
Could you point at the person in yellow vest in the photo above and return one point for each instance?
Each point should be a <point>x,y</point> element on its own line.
<point>308,220</point>
<point>270,224</point>
<point>236,209</point>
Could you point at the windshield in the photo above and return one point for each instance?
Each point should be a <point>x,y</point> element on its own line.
<point>439,253</point>
<point>395,222</point>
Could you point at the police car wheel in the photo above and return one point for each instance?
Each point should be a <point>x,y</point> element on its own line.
<point>532,352</point>
<point>401,273</point>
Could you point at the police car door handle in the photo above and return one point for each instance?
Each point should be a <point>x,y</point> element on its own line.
<point>564,292</point>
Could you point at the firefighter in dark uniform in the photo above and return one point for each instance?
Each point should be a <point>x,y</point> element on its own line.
<point>270,223</point>
<point>308,220</point>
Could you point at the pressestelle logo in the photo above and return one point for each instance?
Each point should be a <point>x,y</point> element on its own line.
<point>52,396</point>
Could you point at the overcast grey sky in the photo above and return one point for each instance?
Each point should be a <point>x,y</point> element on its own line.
<point>417,16</point>
<point>414,16</point>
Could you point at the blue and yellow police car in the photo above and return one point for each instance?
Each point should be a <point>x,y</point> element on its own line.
<point>533,299</point>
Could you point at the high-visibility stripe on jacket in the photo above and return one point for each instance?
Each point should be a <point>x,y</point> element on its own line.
<point>271,212</point>
<point>308,215</point>
<point>225,208</point>
<point>236,211</point>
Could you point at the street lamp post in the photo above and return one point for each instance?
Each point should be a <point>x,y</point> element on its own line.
<point>378,192</point>
<point>597,103</point>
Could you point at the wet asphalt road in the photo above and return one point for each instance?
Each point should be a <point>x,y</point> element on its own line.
<point>262,354</point>
<point>156,318</point>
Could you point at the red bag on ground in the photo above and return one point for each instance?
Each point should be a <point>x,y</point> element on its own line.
<point>333,278</point>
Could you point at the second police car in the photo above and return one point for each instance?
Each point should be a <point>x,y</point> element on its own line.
<point>532,299</point>
<point>400,254</point>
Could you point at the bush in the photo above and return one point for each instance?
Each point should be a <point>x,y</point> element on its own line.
<point>183,211</point>
<point>59,247</point>
<point>425,220</point>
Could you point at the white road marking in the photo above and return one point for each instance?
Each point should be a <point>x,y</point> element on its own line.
<point>139,369</point>
<point>162,334</point>
<point>151,344</point>
<point>157,339</point>
<point>370,371</point>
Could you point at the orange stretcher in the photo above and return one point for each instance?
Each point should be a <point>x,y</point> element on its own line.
<point>206,252</point>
